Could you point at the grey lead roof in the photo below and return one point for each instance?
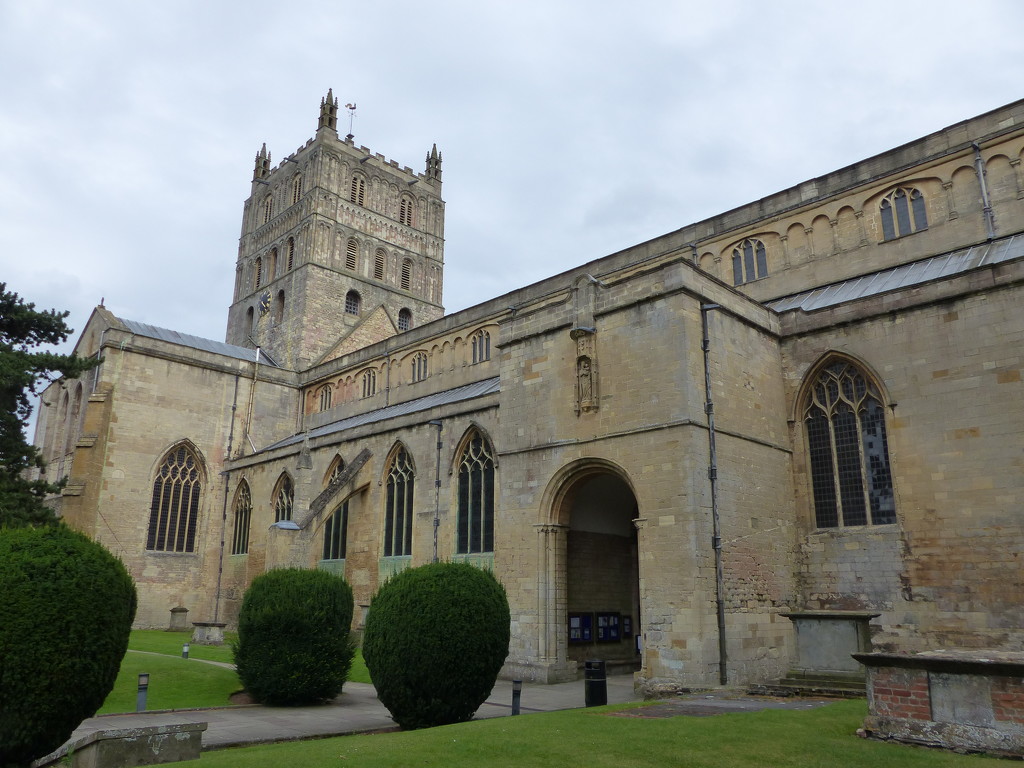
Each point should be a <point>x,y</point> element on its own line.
<point>457,395</point>
<point>926,270</point>
<point>186,340</point>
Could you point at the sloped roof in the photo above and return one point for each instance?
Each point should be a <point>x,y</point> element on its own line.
<point>456,395</point>
<point>906,275</point>
<point>195,342</point>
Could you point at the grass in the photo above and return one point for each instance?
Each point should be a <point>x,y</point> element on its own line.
<point>177,683</point>
<point>819,738</point>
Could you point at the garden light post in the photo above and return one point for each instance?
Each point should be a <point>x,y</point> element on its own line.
<point>140,700</point>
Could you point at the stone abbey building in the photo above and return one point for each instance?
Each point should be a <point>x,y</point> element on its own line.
<point>752,444</point>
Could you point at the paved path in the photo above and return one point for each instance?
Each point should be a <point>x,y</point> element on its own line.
<point>355,710</point>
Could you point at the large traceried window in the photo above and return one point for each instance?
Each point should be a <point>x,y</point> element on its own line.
<point>284,499</point>
<point>419,366</point>
<point>749,261</point>
<point>174,511</point>
<point>324,397</point>
<point>369,383</point>
<point>398,510</point>
<point>481,344</point>
<point>903,213</point>
<point>476,497</point>
<point>336,534</point>
<point>849,454</point>
<point>243,517</point>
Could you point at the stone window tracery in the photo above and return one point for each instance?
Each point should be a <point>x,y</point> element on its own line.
<point>336,534</point>
<point>476,497</point>
<point>369,383</point>
<point>481,346</point>
<point>243,517</point>
<point>419,367</point>
<point>749,261</point>
<point>903,213</point>
<point>848,449</point>
<point>174,510</point>
<point>398,511</point>
<point>284,499</point>
<point>324,397</point>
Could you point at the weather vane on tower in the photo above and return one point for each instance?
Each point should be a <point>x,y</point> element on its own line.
<point>351,116</point>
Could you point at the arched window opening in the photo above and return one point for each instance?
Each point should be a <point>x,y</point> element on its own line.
<point>335,470</point>
<point>357,193</point>
<point>399,506</point>
<point>250,318</point>
<point>324,397</point>
<point>272,264</point>
<point>268,208</point>
<point>174,510</point>
<point>404,319</point>
<point>353,303</point>
<point>406,282</point>
<point>279,307</point>
<point>903,213</point>
<point>848,449</point>
<point>243,518</point>
<point>369,383</point>
<point>352,254</point>
<point>291,253</point>
<point>296,188</point>
<point>481,346</point>
<point>336,534</point>
<point>257,274</point>
<point>379,259</point>
<point>284,499</point>
<point>405,211</point>
<point>419,367</point>
<point>476,497</point>
<point>749,261</point>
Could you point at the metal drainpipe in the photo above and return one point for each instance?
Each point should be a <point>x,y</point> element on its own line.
<point>437,484</point>
<point>224,509</point>
<point>716,533</point>
<point>979,167</point>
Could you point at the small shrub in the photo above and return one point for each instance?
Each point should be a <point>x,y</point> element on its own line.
<point>293,642</point>
<point>435,639</point>
<point>66,610</point>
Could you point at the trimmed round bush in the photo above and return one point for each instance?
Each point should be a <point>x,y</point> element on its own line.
<point>435,639</point>
<point>66,610</point>
<point>294,645</point>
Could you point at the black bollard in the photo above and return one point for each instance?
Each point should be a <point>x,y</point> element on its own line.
<point>595,691</point>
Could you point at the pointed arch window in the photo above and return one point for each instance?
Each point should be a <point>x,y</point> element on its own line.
<point>405,211</point>
<point>848,450</point>
<point>335,470</point>
<point>399,506</point>
<point>174,510</point>
<point>352,254</point>
<point>749,261</point>
<point>903,213</point>
<point>243,518</point>
<point>284,499</point>
<point>268,208</point>
<point>419,367</point>
<point>481,346</point>
<point>404,319</point>
<point>357,193</point>
<point>476,497</point>
<point>336,534</point>
<point>379,259</point>
<point>369,383</point>
<point>324,397</point>
<point>296,188</point>
<point>353,303</point>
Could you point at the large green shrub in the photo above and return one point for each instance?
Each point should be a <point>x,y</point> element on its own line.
<point>293,642</point>
<point>66,609</point>
<point>435,639</point>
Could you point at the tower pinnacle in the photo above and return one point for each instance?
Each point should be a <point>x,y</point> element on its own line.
<point>328,112</point>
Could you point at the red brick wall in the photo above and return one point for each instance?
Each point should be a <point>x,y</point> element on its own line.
<point>1008,699</point>
<point>901,693</point>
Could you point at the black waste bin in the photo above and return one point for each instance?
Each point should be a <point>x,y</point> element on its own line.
<point>595,691</point>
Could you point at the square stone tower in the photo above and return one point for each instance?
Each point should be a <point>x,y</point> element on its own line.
<point>340,248</point>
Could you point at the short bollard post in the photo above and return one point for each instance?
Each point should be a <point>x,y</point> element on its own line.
<point>517,692</point>
<point>140,700</point>
<point>184,651</point>
<point>595,691</point>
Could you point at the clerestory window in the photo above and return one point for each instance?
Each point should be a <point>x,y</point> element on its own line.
<point>369,383</point>
<point>419,367</point>
<point>749,261</point>
<point>481,346</point>
<point>903,213</point>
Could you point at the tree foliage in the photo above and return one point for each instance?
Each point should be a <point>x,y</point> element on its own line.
<point>67,610</point>
<point>294,645</point>
<point>435,639</point>
<point>23,369</point>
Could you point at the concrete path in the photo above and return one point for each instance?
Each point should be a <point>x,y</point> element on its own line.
<point>355,710</point>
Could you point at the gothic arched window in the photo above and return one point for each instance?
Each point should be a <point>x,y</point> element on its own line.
<point>481,344</point>
<point>476,497</point>
<point>749,261</point>
<point>419,367</point>
<point>903,213</point>
<point>284,499</point>
<point>369,383</point>
<point>398,510</point>
<point>336,534</point>
<point>324,397</point>
<point>296,188</point>
<point>268,208</point>
<point>243,516</point>
<point>174,510</point>
<point>335,470</point>
<point>405,211</point>
<point>848,450</point>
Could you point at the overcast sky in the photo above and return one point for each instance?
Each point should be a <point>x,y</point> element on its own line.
<point>569,129</point>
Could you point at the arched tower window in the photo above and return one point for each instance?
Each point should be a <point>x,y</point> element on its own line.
<point>405,210</point>
<point>379,259</point>
<point>399,505</point>
<point>268,208</point>
<point>369,383</point>
<point>406,283</point>
<point>296,188</point>
<point>257,274</point>
<point>419,367</point>
<point>336,534</point>
<point>284,499</point>
<point>357,193</point>
<point>352,254</point>
<point>903,213</point>
<point>324,396</point>
<point>404,319</point>
<point>749,261</point>
<point>272,264</point>
<point>476,496</point>
<point>847,447</point>
<point>353,303</point>
<point>243,517</point>
<point>279,307</point>
<point>481,344</point>
<point>290,252</point>
<point>174,509</point>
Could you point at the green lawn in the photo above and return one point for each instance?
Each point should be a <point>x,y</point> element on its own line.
<point>820,738</point>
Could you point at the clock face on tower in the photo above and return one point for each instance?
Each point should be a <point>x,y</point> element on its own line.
<point>264,303</point>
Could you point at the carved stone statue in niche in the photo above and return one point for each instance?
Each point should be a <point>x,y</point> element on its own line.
<point>586,371</point>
